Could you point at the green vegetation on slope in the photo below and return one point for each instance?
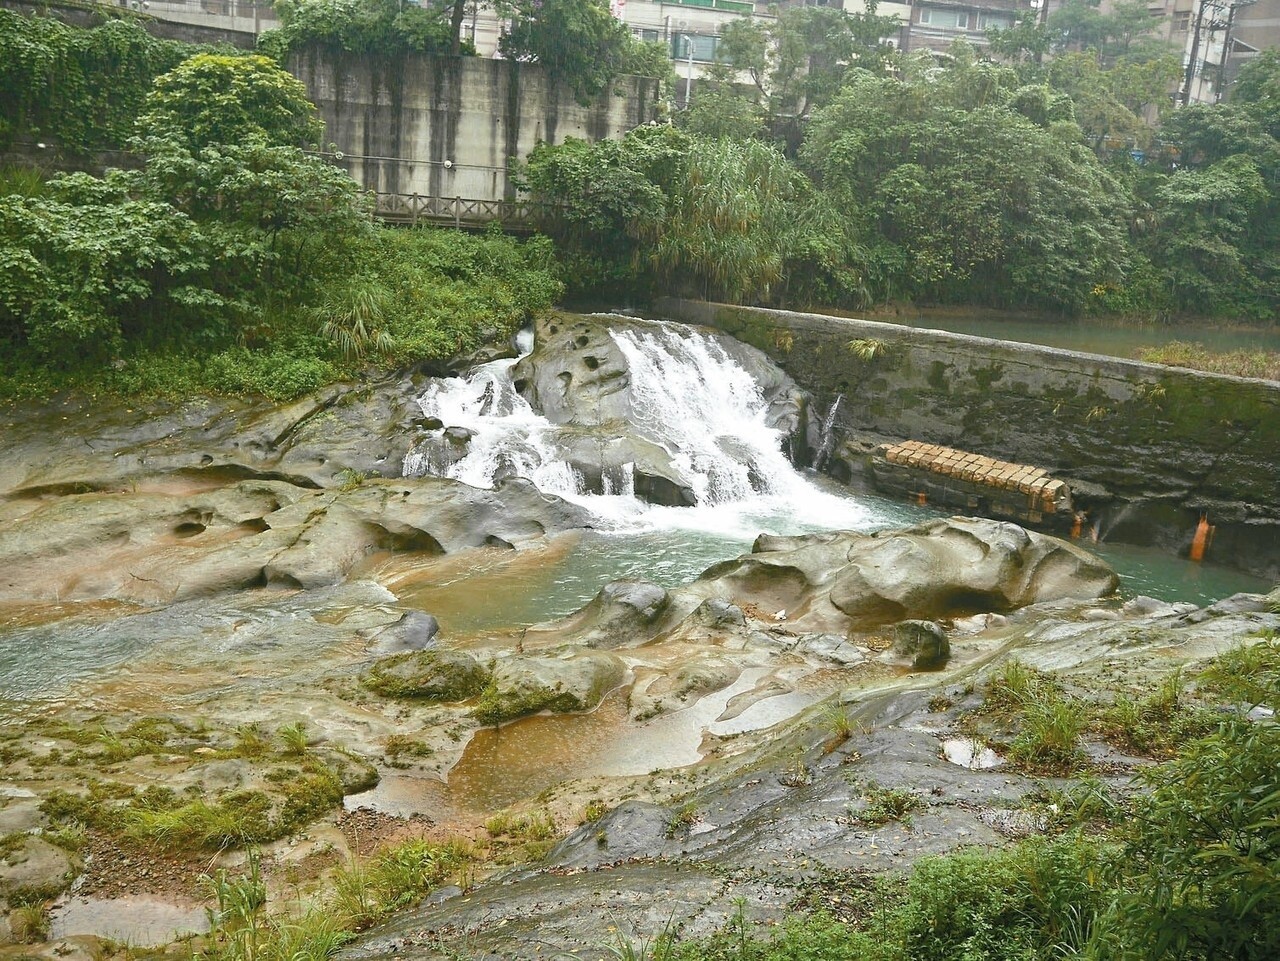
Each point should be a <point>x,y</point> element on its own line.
<point>1187,869</point>
<point>81,89</point>
<point>234,261</point>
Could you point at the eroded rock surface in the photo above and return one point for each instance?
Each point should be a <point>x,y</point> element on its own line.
<point>944,568</point>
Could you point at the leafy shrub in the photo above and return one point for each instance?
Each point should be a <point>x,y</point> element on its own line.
<point>81,88</point>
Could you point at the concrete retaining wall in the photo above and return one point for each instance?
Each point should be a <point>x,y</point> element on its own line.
<point>447,126</point>
<point>1146,449</point>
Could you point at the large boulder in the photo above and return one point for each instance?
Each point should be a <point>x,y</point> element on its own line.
<point>565,681</point>
<point>940,569</point>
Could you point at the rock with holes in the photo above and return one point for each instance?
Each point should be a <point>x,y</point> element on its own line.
<point>838,582</point>
<point>160,546</point>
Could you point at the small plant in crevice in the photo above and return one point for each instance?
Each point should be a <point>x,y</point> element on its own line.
<point>681,819</point>
<point>882,805</point>
<point>839,723</point>
<point>594,811</point>
<point>867,349</point>
<point>1049,740</point>
<point>294,738</point>
<point>30,923</point>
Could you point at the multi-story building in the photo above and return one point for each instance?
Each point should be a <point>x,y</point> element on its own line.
<point>936,24</point>
<point>1221,37</point>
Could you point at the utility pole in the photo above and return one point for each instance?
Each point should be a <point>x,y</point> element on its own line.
<point>1195,52</point>
<point>688,84</point>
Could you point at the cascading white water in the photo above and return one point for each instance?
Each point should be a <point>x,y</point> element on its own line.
<point>508,437</point>
<point>689,396</point>
<point>708,411</point>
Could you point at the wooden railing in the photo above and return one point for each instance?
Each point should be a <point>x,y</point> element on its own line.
<point>457,211</point>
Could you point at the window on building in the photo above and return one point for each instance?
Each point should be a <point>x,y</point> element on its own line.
<point>704,47</point>
<point>994,21</point>
<point>647,35</point>
<point>945,19</point>
<point>1182,21</point>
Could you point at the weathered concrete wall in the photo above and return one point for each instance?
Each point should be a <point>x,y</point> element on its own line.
<point>397,122</point>
<point>1147,449</point>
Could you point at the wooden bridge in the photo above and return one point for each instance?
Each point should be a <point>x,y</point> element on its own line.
<point>515,216</point>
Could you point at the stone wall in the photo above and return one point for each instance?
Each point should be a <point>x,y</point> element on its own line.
<point>1146,449</point>
<point>447,126</point>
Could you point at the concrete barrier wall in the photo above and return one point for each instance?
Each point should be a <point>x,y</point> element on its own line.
<point>1147,449</point>
<point>448,126</point>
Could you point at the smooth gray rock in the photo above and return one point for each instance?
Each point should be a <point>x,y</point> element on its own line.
<point>623,613</point>
<point>924,643</point>
<point>831,583</point>
<point>36,868</point>
<point>415,631</point>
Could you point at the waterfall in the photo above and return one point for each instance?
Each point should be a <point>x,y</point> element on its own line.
<point>828,442</point>
<point>501,434</point>
<point>688,395</point>
<point>708,412</point>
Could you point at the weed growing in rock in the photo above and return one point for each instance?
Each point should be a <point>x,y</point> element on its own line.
<point>882,805</point>
<point>294,738</point>
<point>365,894</point>
<point>1158,724</point>
<point>867,349</point>
<point>841,725</point>
<point>401,746</point>
<point>71,836</point>
<point>681,819</point>
<point>594,811</point>
<point>251,742</point>
<point>29,924</point>
<point>1049,741</point>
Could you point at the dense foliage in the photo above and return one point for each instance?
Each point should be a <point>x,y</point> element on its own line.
<point>233,260</point>
<point>80,89</point>
<point>1045,182</point>
<point>579,43</point>
<point>387,28</point>
<point>717,218</point>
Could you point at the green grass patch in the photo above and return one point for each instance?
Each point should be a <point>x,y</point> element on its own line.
<point>1240,363</point>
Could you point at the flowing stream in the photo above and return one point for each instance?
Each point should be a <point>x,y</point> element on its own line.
<point>711,417</point>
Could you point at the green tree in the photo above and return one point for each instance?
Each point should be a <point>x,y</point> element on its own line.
<point>598,200</point>
<point>384,28</point>
<point>578,42</point>
<point>799,60</point>
<point>964,197</point>
<point>221,99</point>
<point>81,89</point>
